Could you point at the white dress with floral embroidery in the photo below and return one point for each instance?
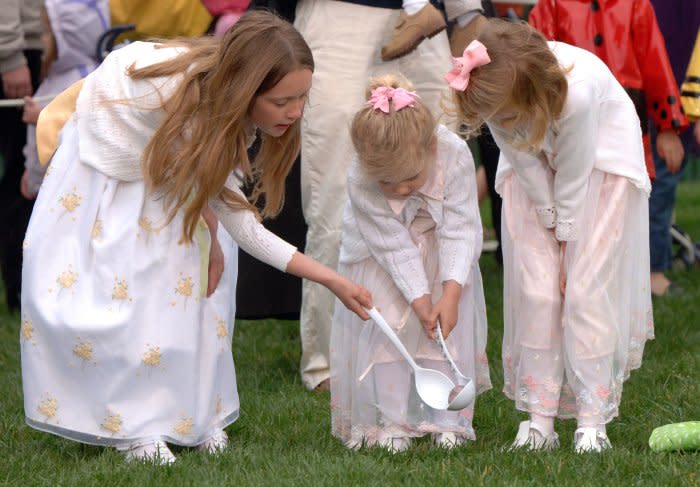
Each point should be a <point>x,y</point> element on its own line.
<point>401,250</point>
<point>119,343</point>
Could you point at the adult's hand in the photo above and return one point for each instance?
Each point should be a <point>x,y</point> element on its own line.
<point>17,83</point>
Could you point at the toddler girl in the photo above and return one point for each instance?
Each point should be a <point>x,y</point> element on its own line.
<point>577,304</point>
<point>412,234</point>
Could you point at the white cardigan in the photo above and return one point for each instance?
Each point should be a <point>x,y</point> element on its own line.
<point>599,128</point>
<point>371,227</point>
<point>117,116</point>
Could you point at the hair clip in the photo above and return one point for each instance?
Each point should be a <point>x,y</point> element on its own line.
<point>402,98</point>
<point>475,55</point>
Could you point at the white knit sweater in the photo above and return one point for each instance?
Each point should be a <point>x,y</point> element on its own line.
<point>598,128</point>
<point>117,116</point>
<point>372,228</point>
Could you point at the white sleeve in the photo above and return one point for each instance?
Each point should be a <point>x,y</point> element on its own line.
<point>460,233</point>
<point>388,240</point>
<point>250,234</point>
<point>574,156</point>
<point>534,175</point>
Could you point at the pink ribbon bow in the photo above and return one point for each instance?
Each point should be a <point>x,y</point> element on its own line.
<point>382,96</point>
<point>475,55</point>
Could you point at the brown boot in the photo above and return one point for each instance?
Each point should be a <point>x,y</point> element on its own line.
<point>462,36</point>
<point>410,30</point>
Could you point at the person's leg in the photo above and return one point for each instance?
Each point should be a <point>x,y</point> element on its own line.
<point>344,39</point>
<point>661,204</point>
<point>15,210</point>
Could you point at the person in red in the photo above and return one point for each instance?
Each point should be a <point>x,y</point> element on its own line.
<point>626,36</point>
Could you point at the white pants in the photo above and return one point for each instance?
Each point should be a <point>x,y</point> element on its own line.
<point>346,40</point>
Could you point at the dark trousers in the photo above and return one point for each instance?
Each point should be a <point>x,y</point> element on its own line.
<point>15,210</point>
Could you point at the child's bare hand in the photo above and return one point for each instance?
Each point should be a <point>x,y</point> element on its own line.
<point>31,111</point>
<point>216,266</point>
<point>446,309</point>
<point>562,269</point>
<point>423,307</point>
<point>355,297</point>
<point>670,149</point>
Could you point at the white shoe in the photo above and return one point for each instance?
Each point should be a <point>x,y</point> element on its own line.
<point>532,438</point>
<point>448,440</point>
<point>394,445</point>
<point>590,440</point>
<point>216,443</point>
<point>155,451</point>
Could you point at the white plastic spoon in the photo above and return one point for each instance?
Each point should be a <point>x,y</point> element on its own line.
<point>467,394</point>
<point>433,387</point>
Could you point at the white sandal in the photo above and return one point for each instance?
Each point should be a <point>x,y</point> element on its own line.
<point>394,444</point>
<point>531,437</point>
<point>155,451</point>
<point>448,440</point>
<point>216,443</point>
<point>590,440</point>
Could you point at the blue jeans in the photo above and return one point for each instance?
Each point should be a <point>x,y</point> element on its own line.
<point>661,204</point>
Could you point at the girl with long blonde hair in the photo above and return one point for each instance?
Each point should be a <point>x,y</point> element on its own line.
<point>577,304</point>
<point>411,229</point>
<point>129,280</point>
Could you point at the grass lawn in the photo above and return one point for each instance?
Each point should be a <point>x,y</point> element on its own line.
<point>283,434</point>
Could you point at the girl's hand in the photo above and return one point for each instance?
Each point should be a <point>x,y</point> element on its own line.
<point>446,309</point>
<point>562,269</point>
<point>216,266</point>
<point>216,255</point>
<point>423,307</point>
<point>355,297</point>
<point>31,111</point>
<point>670,149</point>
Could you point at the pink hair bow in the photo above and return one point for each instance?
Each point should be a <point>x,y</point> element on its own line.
<point>475,55</point>
<point>402,98</point>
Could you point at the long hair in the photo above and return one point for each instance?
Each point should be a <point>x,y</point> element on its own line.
<point>202,137</point>
<point>393,146</point>
<point>523,76</point>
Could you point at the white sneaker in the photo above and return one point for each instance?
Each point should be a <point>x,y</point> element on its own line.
<point>216,443</point>
<point>155,451</point>
<point>394,445</point>
<point>590,440</point>
<point>448,440</point>
<point>532,438</point>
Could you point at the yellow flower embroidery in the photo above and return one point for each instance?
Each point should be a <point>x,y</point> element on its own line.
<point>25,244</point>
<point>97,229</point>
<point>67,278</point>
<point>83,349</point>
<point>120,291</point>
<point>113,423</point>
<point>219,406</point>
<point>147,225</point>
<point>27,329</point>
<point>221,329</point>
<point>152,356</point>
<point>184,426</point>
<point>48,407</point>
<point>70,201</point>
<point>184,286</point>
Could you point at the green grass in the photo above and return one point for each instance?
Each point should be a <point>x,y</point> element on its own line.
<point>283,435</point>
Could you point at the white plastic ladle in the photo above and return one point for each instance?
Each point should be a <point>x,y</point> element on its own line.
<point>468,393</point>
<point>433,387</point>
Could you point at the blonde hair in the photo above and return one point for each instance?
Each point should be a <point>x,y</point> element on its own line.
<point>394,146</point>
<point>202,137</point>
<point>523,75</point>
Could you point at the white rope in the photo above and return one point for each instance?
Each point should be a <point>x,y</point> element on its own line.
<point>19,102</point>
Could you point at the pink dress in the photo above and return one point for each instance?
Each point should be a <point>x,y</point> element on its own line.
<point>400,250</point>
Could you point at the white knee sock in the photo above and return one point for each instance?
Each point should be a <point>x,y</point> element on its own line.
<point>411,7</point>
<point>589,422</point>
<point>544,423</point>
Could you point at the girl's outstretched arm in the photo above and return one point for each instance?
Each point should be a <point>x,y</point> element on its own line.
<point>353,296</point>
